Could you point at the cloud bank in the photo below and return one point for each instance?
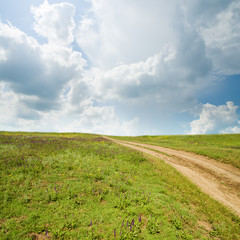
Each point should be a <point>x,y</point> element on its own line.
<point>216,118</point>
<point>125,68</point>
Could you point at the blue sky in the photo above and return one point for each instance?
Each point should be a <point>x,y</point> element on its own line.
<point>120,67</point>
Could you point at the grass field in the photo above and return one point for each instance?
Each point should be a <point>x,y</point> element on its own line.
<point>80,186</point>
<point>222,147</point>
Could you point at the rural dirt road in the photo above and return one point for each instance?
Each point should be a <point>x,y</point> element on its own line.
<point>220,181</point>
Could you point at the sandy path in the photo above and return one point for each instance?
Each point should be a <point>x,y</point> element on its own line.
<point>220,181</point>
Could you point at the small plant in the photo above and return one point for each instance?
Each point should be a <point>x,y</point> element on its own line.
<point>176,223</point>
<point>153,225</point>
<point>59,234</point>
<point>215,231</point>
<point>184,235</point>
<point>92,233</point>
<point>132,230</point>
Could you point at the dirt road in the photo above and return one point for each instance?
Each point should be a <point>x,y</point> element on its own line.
<point>220,181</point>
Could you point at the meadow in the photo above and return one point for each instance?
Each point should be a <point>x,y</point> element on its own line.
<point>82,186</point>
<point>224,148</point>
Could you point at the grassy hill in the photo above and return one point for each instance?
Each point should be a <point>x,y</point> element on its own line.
<point>80,186</point>
<point>222,147</point>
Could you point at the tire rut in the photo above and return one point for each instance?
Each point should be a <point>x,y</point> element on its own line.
<point>220,181</point>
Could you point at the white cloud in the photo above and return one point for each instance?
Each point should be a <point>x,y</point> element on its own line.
<point>235,129</point>
<point>3,54</point>
<point>125,31</point>
<point>144,53</point>
<point>55,22</point>
<point>147,60</point>
<point>35,70</point>
<point>162,80</point>
<point>42,87</point>
<point>212,118</point>
<point>8,107</point>
<point>64,56</point>
<point>200,12</point>
<point>102,120</point>
<point>91,119</point>
<point>222,37</point>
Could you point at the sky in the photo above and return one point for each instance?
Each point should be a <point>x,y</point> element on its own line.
<point>128,67</point>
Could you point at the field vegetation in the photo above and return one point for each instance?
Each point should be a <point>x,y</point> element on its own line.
<point>81,186</point>
<point>221,147</point>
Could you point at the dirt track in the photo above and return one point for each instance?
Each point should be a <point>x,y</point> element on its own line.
<point>220,181</point>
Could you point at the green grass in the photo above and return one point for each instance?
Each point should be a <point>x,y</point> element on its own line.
<point>222,147</point>
<point>80,186</point>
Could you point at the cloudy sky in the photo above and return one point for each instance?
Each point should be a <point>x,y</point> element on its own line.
<point>122,67</point>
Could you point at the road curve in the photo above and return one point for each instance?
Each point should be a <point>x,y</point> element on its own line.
<point>220,181</point>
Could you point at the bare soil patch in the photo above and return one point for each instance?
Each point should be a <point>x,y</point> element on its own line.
<point>220,181</point>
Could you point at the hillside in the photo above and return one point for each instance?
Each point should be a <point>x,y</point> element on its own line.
<point>81,186</point>
<point>224,148</point>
